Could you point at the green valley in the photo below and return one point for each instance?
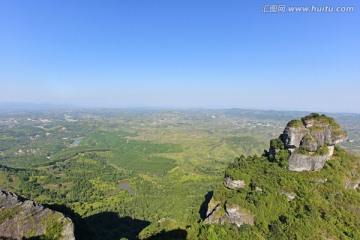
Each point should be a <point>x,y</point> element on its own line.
<point>76,161</point>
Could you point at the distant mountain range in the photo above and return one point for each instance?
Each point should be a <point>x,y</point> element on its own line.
<point>32,106</point>
<point>258,113</point>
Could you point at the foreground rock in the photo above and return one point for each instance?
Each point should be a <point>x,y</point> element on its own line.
<point>309,141</point>
<point>26,219</point>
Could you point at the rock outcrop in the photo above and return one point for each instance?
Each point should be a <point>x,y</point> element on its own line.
<point>221,213</point>
<point>21,219</point>
<point>310,142</point>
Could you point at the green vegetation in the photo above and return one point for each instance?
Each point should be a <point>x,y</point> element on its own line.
<point>308,139</point>
<point>170,168</point>
<point>311,117</point>
<point>323,150</point>
<point>276,143</point>
<point>319,121</point>
<point>173,159</point>
<point>53,229</point>
<point>304,150</point>
<point>8,213</point>
<point>282,158</point>
<point>295,123</point>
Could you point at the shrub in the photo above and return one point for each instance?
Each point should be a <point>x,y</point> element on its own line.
<point>282,158</point>
<point>323,150</point>
<point>295,123</point>
<point>276,143</point>
<point>303,150</point>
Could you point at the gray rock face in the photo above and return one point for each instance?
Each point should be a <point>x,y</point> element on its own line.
<point>331,150</point>
<point>234,184</point>
<point>221,213</point>
<point>292,136</point>
<point>24,219</point>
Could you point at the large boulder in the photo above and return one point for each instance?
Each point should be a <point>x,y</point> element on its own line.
<point>21,219</point>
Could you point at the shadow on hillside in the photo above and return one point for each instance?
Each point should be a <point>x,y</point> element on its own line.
<point>108,225</point>
<point>204,206</point>
<point>177,234</point>
<point>103,226</point>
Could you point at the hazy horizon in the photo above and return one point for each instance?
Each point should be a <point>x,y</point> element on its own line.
<point>31,106</point>
<point>176,54</point>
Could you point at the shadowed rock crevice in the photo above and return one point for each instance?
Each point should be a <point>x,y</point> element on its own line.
<point>204,206</point>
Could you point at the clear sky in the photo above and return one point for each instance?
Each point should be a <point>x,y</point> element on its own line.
<point>180,53</point>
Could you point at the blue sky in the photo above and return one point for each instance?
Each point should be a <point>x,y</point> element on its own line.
<point>176,53</point>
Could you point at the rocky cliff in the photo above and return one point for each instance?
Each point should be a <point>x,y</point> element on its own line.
<point>21,219</point>
<point>309,141</point>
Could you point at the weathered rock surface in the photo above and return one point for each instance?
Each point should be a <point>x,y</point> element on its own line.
<point>234,184</point>
<point>310,135</point>
<point>24,219</point>
<point>292,136</point>
<point>221,213</point>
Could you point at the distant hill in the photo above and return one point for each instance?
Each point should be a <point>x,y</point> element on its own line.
<point>32,106</point>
